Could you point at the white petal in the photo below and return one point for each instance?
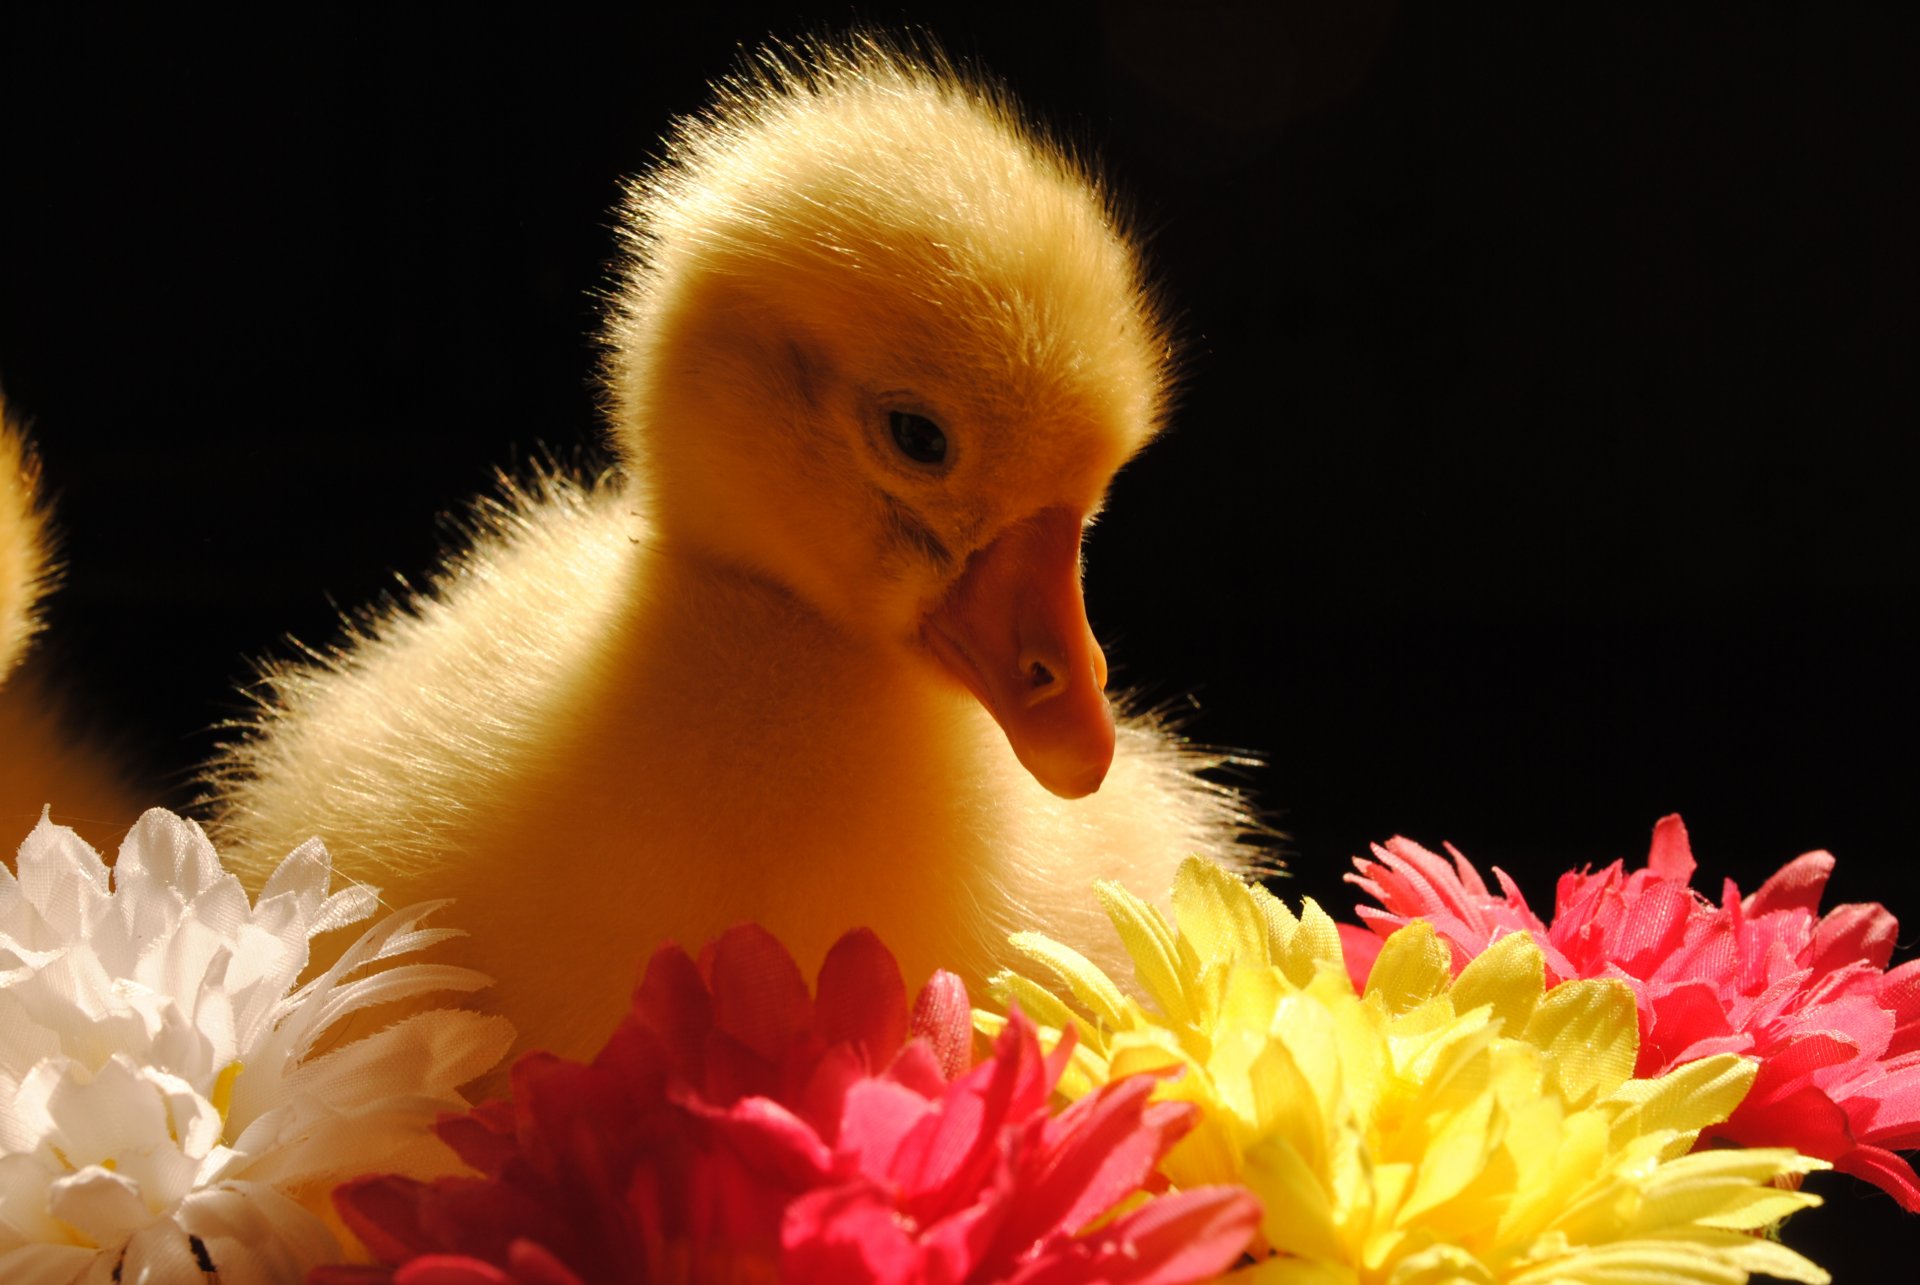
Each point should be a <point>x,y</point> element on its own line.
<point>181,1048</point>
<point>62,879</point>
<point>411,1071</point>
<point>50,1264</point>
<point>101,1205</point>
<point>160,1255</point>
<point>119,1109</point>
<point>348,906</point>
<point>432,1053</point>
<point>301,879</point>
<point>172,851</point>
<point>253,1233</point>
<point>67,996</point>
<point>23,1042</point>
<point>24,1180</point>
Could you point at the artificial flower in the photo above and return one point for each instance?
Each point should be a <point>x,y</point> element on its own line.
<point>1809,997</point>
<point>1481,1129</point>
<point>168,1098</point>
<point>736,1128</point>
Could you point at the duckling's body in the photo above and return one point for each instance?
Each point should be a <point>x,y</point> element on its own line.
<point>810,658</point>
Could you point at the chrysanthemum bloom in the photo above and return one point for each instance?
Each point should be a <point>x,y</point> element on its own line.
<point>165,1102</point>
<point>735,1128</point>
<point>1837,1036</point>
<point>1484,1129</point>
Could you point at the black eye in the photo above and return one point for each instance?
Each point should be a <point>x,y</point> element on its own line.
<point>918,437</point>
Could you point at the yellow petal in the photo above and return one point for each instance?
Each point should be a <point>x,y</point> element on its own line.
<point>1509,976</point>
<point>1686,1099</point>
<point>1298,1217</point>
<point>1042,1006</point>
<point>1217,915</point>
<point>1093,988</point>
<point>1591,1030</point>
<point>1441,1265</point>
<point>1156,955</point>
<point>1281,924</point>
<point>1413,967</point>
<point>1315,946</point>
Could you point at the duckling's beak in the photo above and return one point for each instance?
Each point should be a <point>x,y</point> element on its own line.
<point>1014,631</point>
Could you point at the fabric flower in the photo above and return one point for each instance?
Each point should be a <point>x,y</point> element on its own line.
<point>1485,1129</point>
<point>735,1128</point>
<point>165,1103</point>
<point>1809,997</point>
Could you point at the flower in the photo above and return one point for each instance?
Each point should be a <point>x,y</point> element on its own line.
<point>1485,1129</point>
<point>735,1128</point>
<point>1837,1035</point>
<point>165,1103</point>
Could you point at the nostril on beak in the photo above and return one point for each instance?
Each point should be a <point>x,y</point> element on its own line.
<point>1042,676</point>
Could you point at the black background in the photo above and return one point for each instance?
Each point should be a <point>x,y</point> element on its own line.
<point>1541,467</point>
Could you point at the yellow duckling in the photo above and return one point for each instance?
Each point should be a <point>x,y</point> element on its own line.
<point>41,763</point>
<point>817,656</point>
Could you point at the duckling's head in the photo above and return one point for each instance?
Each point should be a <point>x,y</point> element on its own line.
<point>884,345</point>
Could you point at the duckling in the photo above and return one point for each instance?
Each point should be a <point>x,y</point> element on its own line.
<point>816,654</point>
<point>42,763</point>
<point>24,563</point>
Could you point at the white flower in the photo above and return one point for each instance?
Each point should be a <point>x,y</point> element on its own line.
<point>168,1102</point>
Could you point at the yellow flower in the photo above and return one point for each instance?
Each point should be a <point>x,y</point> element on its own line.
<point>1481,1129</point>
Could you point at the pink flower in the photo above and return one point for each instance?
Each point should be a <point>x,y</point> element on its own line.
<point>736,1128</point>
<point>1810,998</point>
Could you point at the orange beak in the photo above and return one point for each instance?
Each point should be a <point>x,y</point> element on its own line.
<point>1014,631</point>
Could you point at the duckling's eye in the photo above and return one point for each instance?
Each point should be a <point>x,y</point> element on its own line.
<point>918,437</point>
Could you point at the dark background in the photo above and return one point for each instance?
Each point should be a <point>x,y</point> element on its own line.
<point>1540,468</point>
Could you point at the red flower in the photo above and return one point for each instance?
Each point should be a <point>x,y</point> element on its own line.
<point>737,1129</point>
<point>1837,1036</point>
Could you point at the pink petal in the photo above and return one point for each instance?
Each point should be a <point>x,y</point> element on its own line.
<point>531,1264</point>
<point>860,999</point>
<point>1886,1109</point>
<point>1102,1149</point>
<point>960,1246</point>
<point>760,999</point>
<point>484,1137</point>
<point>821,1101</point>
<point>1857,1019</point>
<point>1886,1171</point>
<point>772,1141</point>
<point>1798,885</point>
<point>1786,1061</point>
<point>451,1269</point>
<point>1804,1119</point>
<point>1193,1236</point>
<point>948,1156</point>
<point>1671,856</point>
<point>878,1115</point>
<point>1900,993</point>
<point>1409,880</point>
<point>942,1016</point>
<point>385,1211</point>
<point>918,1068</point>
<point>1856,931</point>
<point>952,1148</point>
<point>1689,1022</point>
<point>846,1234</point>
<point>672,1004</point>
<point>1651,928</point>
<point>734,1069</point>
